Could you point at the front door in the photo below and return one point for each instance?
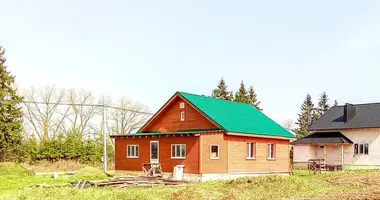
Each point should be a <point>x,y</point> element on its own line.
<point>154,152</point>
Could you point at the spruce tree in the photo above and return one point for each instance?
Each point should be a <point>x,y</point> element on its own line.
<point>253,98</point>
<point>221,91</point>
<point>10,113</point>
<point>242,95</point>
<point>306,117</point>
<point>335,103</point>
<point>323,104</point>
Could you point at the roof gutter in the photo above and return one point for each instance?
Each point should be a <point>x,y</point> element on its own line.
<point>258,136</point>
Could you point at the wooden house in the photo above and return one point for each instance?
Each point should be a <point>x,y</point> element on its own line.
<point>212,138</point>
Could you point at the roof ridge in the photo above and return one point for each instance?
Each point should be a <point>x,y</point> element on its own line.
<point>359,104</point>
<point>210,97</point>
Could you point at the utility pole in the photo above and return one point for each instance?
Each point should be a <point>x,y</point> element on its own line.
<point>104,139</point>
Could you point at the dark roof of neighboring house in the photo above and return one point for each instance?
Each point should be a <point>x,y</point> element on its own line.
<point>364,116</point>
<point>323,138</point>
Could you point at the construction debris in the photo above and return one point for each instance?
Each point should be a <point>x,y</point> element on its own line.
<point>122,182</point>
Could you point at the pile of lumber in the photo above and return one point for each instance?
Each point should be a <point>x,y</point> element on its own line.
<point>140,181</point>
<point>122,182</point>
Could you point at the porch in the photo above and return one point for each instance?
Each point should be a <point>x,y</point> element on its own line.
<point>326,148</point>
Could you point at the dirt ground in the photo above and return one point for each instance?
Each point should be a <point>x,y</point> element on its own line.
<point>368,187</point>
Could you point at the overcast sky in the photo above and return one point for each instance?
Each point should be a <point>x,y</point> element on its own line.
<point>147,50</point>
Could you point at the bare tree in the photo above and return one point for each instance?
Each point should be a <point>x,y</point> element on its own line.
<point>129,118</point>
<point>83,109</point>
<point>40,111</point>
<point>288,124</point>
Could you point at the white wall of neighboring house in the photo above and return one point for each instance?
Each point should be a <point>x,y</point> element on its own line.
<point>361,136</point>
<point>302,153</point>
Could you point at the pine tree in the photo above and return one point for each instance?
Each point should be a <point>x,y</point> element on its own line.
<point>253,98</point>
<point>323,104</point>
<point>10,113</point>
<point>306,117</point>
<point>221,91</point>
<point>242,95</point>
<point>231,96</point>
<point>335,103</point>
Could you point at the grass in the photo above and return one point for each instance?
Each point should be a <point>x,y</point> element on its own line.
<point>13,169</point>
<point>90,173</point>
<point>338,185</point>
<point>61,166</point>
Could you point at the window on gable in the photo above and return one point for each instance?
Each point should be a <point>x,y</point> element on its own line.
<point>132,151</point>
<point>356,148</point>
<point>182,115</point>
<point>214,151</point>
<point>178,150</point>
<point>361,148</point>
<point>251,150</point>
<point>271,151</point>
<point>365,148</point>
<point>182,105</point>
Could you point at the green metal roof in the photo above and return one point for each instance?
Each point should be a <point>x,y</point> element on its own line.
<point>236,117</point>
<point>190,131</point>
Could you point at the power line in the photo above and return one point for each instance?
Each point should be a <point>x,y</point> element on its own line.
<point>91,105</point>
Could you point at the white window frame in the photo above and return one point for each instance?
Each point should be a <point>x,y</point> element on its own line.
<point>182,115</point>
<point>182,105</point>
<point>269,151</point>
<point>361,148</point>
<point>137,153</point>
<point>175,151</point>
<point>211,157</point>
<point>249,150</point>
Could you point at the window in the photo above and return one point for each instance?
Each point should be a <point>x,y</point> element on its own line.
<point>251,150</point>
<point>321,147</point>
<point>356,149</point>
<point>178,150</point>
<point>271,151</point>
<point>214,151</point>
<point>132,151</point>
<point>182,115</point>
<point>361,148</point>
<point>182,105</point>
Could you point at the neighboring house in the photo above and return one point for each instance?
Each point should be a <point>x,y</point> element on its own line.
<point>212,138</point>
<point>346,136</point>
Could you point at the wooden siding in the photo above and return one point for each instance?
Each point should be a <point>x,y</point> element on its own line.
<point>169,119</point>
<point>191,161</point>
<point>237,150</point>
<point>210,165</point>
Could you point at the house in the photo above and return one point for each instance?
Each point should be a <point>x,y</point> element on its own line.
<point>212,138</point>
<point>347,136</point>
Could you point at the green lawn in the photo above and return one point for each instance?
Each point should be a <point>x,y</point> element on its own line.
<point>299,186</point>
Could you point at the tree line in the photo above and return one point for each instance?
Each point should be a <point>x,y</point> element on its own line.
<point>242,95</point>
<point>308,114</point>
<point>50,123</point>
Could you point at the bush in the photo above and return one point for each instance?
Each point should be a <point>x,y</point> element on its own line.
<point>90,173</point>
<point>14,169</point>
<point>71,146</point>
